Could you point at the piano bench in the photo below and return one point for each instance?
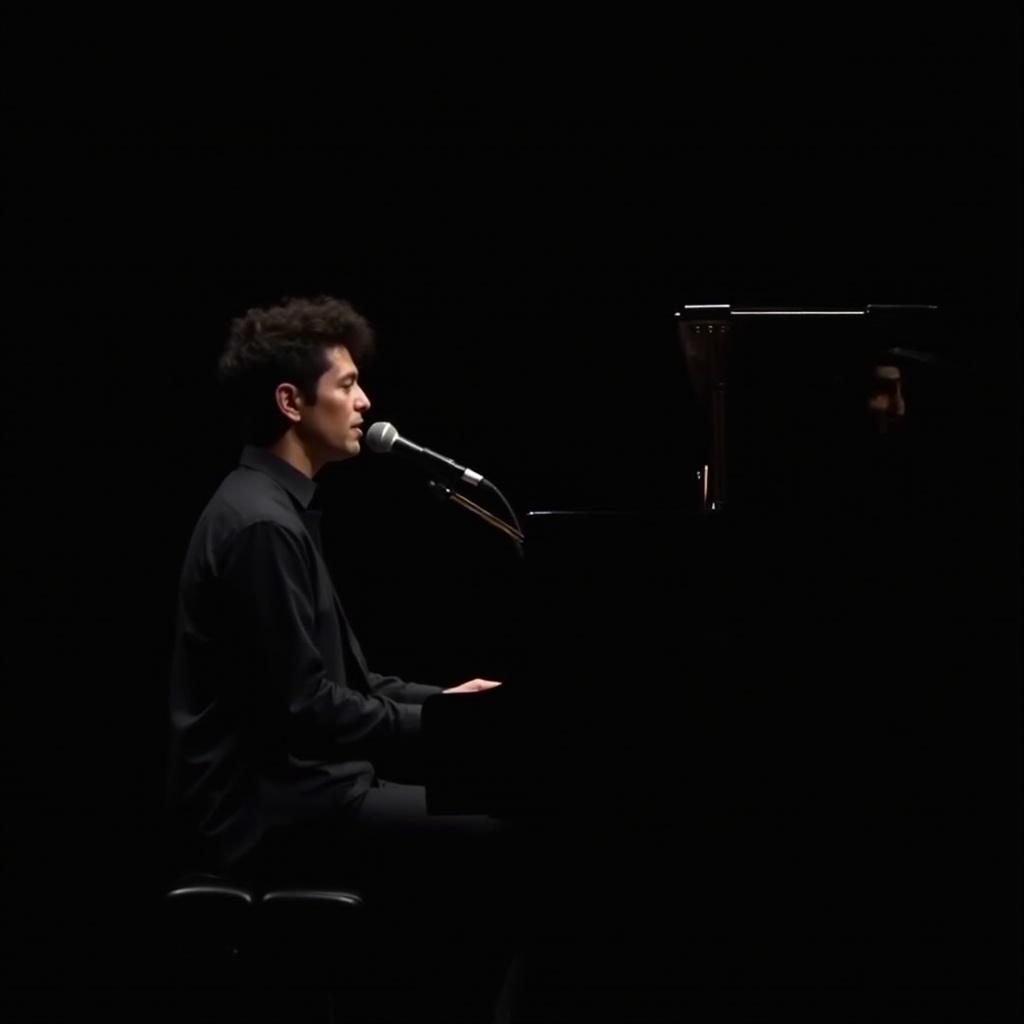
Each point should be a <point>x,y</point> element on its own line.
<point>238,950</point>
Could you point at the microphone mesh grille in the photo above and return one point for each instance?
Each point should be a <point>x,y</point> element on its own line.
<point>381,437</point>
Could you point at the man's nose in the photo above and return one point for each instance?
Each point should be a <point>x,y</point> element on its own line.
<point>363,400</point>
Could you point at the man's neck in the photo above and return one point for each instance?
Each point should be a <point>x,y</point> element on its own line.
<point>291,451</point>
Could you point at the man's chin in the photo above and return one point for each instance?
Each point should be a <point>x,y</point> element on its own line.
<point>348,451</point>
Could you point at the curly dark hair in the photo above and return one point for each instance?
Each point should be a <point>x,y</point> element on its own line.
<point>287,342</point>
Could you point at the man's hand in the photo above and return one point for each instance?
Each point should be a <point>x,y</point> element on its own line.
<point>473,686</point>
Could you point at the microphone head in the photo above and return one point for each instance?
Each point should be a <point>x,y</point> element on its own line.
<point>381,437</point>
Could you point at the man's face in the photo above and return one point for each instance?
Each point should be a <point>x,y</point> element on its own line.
<point>886,404</point>
<point>332,427</point>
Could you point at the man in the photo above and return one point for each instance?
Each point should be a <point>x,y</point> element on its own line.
<point>281,736</point>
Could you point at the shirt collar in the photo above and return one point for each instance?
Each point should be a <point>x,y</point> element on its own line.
<point>296,483</point>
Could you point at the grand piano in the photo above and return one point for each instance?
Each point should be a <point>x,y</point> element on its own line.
<point>738,652</point>
<point>749,734</point>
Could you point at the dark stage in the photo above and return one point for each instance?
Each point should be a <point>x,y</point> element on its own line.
<point>523,274</point>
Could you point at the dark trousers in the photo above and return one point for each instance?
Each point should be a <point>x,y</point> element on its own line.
<point>447,900</point>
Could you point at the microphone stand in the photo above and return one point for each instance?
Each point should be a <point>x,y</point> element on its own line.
<point>513,532</point>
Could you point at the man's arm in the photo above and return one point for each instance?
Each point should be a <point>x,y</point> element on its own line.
<point>417,693</point>
<point>399,690</point>
<point>271,604</point>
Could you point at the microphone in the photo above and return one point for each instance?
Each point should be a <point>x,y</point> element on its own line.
<point>384,439</point>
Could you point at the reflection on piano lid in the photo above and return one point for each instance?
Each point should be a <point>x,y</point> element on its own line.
<point>781,392</point>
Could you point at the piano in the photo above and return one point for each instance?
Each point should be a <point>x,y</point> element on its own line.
<point>739,653</point>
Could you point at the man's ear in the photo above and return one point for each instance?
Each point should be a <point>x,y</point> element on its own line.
<point>289,401</point>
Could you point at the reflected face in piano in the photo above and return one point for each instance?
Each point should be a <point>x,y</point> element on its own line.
<point>886,404</point>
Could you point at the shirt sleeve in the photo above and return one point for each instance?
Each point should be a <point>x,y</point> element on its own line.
<point>270,594</point>
<point>400,690</point>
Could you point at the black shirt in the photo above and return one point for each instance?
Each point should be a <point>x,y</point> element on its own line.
<point>275,717</point>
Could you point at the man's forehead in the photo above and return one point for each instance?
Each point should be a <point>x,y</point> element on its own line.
<point>341,360</point>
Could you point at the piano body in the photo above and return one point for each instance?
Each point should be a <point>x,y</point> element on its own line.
<point>756,729</point>
<point>730,654</point>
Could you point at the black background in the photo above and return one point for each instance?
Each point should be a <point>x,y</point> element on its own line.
<point>521,258</point>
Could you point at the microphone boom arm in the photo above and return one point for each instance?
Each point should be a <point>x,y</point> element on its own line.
<point>514,532</point>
